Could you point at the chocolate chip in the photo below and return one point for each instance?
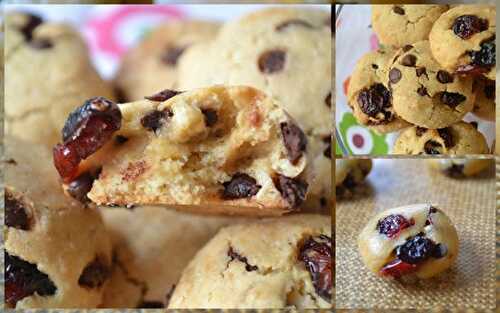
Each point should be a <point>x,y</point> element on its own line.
<point>11,162</point>
<point>154,120</point>
<point>293,190</point>
<point>409,60</point>
<point>394,75</point>
<point>440,250</point>
<point>420,131</point>
<point>210,117</point>
<point>422,91</point>
<point>236,256</point>
<point>293,22</point>
<point>240,186</point>
<point>328,100</point>
<point>120,140</point>
<point>374,66</point>
<point>33,22</point>
<point>163,95</point>
<point>445,133</point>
<point>421,71</point>
<point>452,99</point>
<point>432,147</point>
<point>41,43</point>
<point>172,54</point>
<point>94,274</point>
<point>272,61</point>
<point>456,171</point>
<point>15,213</point>
<point>295,141</point>
<point>398,10</point>
<point>328,150</point>
<point>444,77</point>
<point>407,48</point>
<point>80,187</point>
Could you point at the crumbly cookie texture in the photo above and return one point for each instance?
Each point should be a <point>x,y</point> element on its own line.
<point>61,76</point>
<point>417,240</point>
<point>151,248</point>
<point>368,95</point>
<point>273,263</point>
<point>152,65</point>
<point>213,150</point>
<point>485,104</point>
<point>423,92</point>
<point>399,25</point>
<point>460,138</point>
<point>459,168</point>
<point>270,50</point>
<point>57,252</point>
<point>350,173</point>
<point>463,40</point>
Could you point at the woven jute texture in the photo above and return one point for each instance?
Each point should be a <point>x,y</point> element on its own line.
<point>470,203</point>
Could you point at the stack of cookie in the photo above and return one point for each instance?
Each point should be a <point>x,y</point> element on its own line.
<point>435,64</point>
<point>209,122</point>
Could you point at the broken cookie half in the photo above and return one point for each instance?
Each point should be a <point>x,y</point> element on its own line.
<point>214,150</point>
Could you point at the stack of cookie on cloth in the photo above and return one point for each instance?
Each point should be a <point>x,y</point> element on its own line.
<point>173,191</point>
<point>435,64</point>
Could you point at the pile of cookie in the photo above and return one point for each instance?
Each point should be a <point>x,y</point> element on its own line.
<point>145,191</point>
<point>435,64</point>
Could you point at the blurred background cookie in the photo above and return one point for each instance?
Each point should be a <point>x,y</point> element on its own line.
<point>460,168</point>
<point>350,173</point>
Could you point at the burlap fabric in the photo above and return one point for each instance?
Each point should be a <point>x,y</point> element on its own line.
<point>470,203</point>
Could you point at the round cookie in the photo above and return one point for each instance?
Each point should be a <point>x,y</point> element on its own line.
<point>459,168</point>
<point>399,25</point>
<point>350,173</point>
<point>271,50</point>
<point>414,240</point>
<point>273,263</point>
<point>151,66</point>
<point>151,248</point>
<point>463,40</point>
<point>57,252</point>
<point>60,77</point>
<point>460,138</point>
<point>368,95</point>
<point>484,106</point>
<point>423,93</point>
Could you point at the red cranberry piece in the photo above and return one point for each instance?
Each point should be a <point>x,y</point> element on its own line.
<point>15,213</point>
<point>465,26</point>
<point>374,100</point>
<point>316,253</point>
<point>486,56</point>
<point>163,95</point>
<point>397,268</point>
<point>393,224</point>
<point>23,279</point>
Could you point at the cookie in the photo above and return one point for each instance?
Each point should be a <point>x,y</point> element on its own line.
<point>368,95</point>
<point>57,252</point>
<point>400,25</point>
<point>463,40</point>
<point>414,240</point>
<point>459,168</point>
<point>214,150</point>
<point>145,240</point>
<point>271,49</point>
<point>319,173</point>
<point>286,263</point>
<point>151,66</point>
<point>484,106</point>
<point>350,173</point>
<point>460,138</point>
<point>423,92</point>
<point>61,76</point>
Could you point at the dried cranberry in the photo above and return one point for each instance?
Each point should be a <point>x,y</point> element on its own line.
<point>293,22</point>
<point>94,274</point>
<point>415,250</point>
<point>452,99</point>
<point>445,133</point>
<point>374,100</point>
<point>172,54</point>
<point>33,22</point>
<point>236,256</point>
<point>210,117</point>
<point>86,130</point>
<point>432,147</point>
<point>293,190</point>
<point>393,224</point>
<point>465,26</point>
<point>80,186</point>
<point>398,10</point>
<point>444,77</point>
<point>316,253</point>
<point>486,56</point>
<point>163,95</point>
<point>397,268</point>
<point>272,61</point>
<point>489,89</point>
<point>419,131</point>
<point>154,120</point>
<point>421,71</point>
<point>240,186</point>
<point>15,212</point>
<point>23,279</point>
<point>295,141</point>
